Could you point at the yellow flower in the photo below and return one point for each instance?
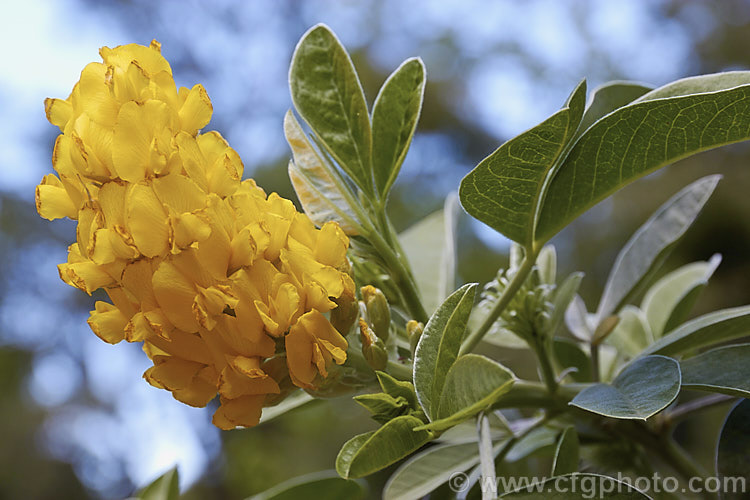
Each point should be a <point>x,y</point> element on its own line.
<point>228,289</point>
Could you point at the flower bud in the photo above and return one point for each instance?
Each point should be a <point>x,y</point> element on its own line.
<point>378,312</point>
<point>414,330</point>
<point>345,314</point>
<point>372,347</point>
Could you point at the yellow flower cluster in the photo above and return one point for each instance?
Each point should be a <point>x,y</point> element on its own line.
<point>227,288</point>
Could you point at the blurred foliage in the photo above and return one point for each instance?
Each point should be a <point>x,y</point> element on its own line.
<point>450,140</point>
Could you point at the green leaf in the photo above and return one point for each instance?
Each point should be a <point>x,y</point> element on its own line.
<point>706,330</point>
<point>429,469</point>
<point>429,245</point>
<point>577,487</point>
<point>640,390</point>
<point>325,484</point>
<point>725,370</point>
<point>294,400</point>
<point>472,384</point>
<point>375,450</point>
<point>326,92</point>
<point>569,354</point>
<point>670,299</point>
<point>506,189</point>
<point>651,243</point>
<point>398,388</point>
<point>165,487</point>
<point>642,137</point>
<point>316,182</point>
<point>394,119</point>
<point>383,407</point>
<point>567,453</point>
<point>609,97</point>
<point>632,333</point>
<point>733,450</point>
<point>438,347</point>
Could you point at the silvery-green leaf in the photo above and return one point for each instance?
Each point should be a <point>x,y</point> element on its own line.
<point>733,450</point>
<point>641,390</point>
<point>578,320</point>
<point>567,453</point>
<point>473,384</point>
<point>724,370</point>
<point>325,484</point>
<point>438,347</point>
<point>394,119</point>
<point>295,400</point>
<point>318,189</point>
<point>369,452</point>
<point>429,469</point>
<point>669,300</point>
<point>651,243</point>
<point>562,488</point>
<point>326,92</point>
<point>430,248</point>
<point>632,333</point>
<point>709,329</point>
<point>165,487</point>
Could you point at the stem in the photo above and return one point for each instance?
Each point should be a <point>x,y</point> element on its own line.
<point>476,336</point>
<point>486,459</point>
<point>548,373</point>
<point>595,369</point>
<point>531,394</point>
<point>401,275</point>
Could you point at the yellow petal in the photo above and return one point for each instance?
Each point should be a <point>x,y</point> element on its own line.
<point>183,378</point>
<point>185,345</point>
<point>244,336</point>
<point>95,98</point>
<point>53,201</point>
<point>195,113</point>
<point>58,112</point>
<point>147,221</point>
<point>175,295</point>
<point>138,329</point>
<point>311,342</point>
<point>192,159</point>
<point>186,229</point>
<point>331,245</point>
<point>234,383</point>
<point>149,58</point>
<point>85,276</point>
<point>225,173</point>
<point>241,412</point>
<point>179,193</point>
<point>133,140</point>
<point>101,247</point>
<point>107,322</point>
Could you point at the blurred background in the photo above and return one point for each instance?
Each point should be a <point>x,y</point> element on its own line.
<point>77,420</point>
